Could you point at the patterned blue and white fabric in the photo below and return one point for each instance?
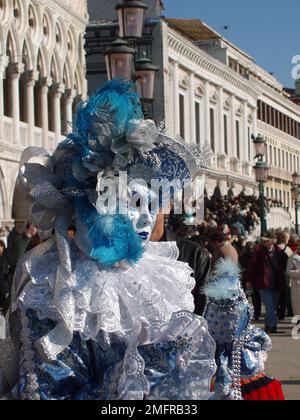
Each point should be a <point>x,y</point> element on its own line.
<point>134,335</point>
<point>241,347</point>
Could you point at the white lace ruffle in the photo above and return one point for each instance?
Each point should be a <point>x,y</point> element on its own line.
<point>115,301</point>
<point>142,305</point>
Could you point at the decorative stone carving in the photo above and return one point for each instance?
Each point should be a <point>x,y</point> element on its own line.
<point>15,69</point>
<point>6,228</point>
<point>78,6</point>
<point>31,76</point>
<point>200,60</point>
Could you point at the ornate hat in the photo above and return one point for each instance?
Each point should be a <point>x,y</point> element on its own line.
<point>110,135</point>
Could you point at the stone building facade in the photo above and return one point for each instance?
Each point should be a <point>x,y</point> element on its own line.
<point>42,76</point>
<point>207,89</point>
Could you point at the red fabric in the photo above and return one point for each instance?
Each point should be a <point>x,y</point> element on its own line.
<point>271,392</point>
<point>259,270</point>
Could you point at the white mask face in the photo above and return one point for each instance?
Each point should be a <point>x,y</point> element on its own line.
<point>140,213</point>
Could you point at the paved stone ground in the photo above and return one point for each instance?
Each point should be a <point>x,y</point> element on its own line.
<point>284,360</point>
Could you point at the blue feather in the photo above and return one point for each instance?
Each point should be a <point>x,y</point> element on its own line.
<point>225,283</point>
<point>107,113</point>
<point>117,103</point>
<point>113,237</point>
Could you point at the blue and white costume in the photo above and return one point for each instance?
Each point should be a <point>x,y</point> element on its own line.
<point>108,315</point>
<point>242,348</point>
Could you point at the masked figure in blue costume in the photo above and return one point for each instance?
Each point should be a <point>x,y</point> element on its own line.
<point>108,315</point>
<point>242,348</point>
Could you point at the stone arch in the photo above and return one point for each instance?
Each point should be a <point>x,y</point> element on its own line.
<point>55,69</point>
<point>2,41</point>
<point>42,63</point>
<point>48,38</point>
<point>79,82</point>
<point>28,56</point>
<point>20,16</point>
<point>5,12</point>
<point>13,46</point>
<point>35,21</point>
<point>2,205</point>
<point>73,45</point>
<point>3,197</point>
<point>67,75</point>
<point>80,47</point>
<point>60,38</point>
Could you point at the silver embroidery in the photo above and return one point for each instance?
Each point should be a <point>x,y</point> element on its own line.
<point>27,364</point>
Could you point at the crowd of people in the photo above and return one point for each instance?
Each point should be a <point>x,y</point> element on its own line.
<point>269,264</point>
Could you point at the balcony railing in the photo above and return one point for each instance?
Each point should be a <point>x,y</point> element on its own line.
<point>8,130</point>
<point>38,137</point>
<point>279,218</point>
<point>51,142</point>
<point>25,141</point>
<point>278,134</point>
<point>281,173</point>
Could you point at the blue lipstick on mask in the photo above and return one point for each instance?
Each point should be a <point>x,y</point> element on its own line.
<point>144,235</point>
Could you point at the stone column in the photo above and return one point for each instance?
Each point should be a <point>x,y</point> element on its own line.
<point>176,116</point>
<point>255,131</point>
<point>3,64</point>
<point>192,109</point>
<point>232,143</point>
<point>57,90</point>
<point>245,143</point>
<point>44,82</point>
<point>221,120</point>
<point>207,111</point>
<point>30,78</point>
<point>15,70</point>
<point>69,97</point>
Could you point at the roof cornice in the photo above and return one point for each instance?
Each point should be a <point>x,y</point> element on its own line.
<point>189,51</point>
<point>65,6</point>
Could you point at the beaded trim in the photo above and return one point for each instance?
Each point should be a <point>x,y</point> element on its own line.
<point>27,364</point>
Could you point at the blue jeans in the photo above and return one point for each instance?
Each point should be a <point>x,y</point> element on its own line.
<point>270,300</point>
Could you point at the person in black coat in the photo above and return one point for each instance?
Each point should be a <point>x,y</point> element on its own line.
<point>192,253</point>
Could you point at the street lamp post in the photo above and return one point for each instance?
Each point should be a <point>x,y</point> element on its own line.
<point>261,169</point>
<point>120,56</point>
<point>131,18</point>
<point>119,60</point>
<point>145,79</point>
<point>296,198</point>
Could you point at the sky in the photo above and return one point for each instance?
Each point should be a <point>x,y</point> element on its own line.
<point>268,30</point>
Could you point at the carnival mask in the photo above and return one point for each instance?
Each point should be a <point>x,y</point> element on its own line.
<point>142,211</point>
